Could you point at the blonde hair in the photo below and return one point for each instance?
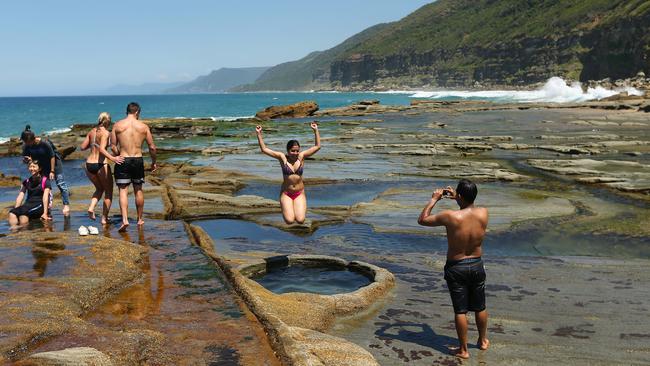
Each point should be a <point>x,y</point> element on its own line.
<point>104,119</point>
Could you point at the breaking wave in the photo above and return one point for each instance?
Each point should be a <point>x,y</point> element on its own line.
<point>58,130</point>
<point>556,90</point>
<point>218,118</point>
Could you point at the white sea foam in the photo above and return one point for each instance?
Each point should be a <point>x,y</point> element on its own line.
<point>556,90</point>
<point>58,130</point>
<point>218,118</point>
<point>3,140</point>
<point>229,118</point>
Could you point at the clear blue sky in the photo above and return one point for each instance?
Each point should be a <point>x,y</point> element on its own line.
<point>73,47</point>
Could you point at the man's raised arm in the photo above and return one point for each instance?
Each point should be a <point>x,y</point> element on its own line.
<point>426,218</point>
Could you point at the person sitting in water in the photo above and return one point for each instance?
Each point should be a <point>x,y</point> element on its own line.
<point>42,150</point>
<point>292,196</point>
<point>37,189</point>
<point>97,170</point>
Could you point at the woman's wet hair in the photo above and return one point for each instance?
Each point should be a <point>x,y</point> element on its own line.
<point>28,134</point>
<point>292,143</point>
<point>467,190</point>
<point>104,119</point>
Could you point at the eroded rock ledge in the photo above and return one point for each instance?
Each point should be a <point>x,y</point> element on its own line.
<point>296,322</point>
<point>35,307</point>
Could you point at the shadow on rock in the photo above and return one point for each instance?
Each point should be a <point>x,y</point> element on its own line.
<point>425,336</point>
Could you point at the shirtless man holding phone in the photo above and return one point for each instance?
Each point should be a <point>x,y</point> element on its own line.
<point>464,271</point>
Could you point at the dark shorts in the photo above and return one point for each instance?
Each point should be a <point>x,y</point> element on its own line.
<point>466,283</point>
<point>94,168</point>
<point>31,210</point>
<point>130,171</point>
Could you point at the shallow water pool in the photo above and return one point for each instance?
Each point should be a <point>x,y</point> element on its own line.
<point>318,280</point>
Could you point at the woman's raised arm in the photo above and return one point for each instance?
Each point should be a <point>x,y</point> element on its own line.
<point>312,150</point>
<point>266,150</point>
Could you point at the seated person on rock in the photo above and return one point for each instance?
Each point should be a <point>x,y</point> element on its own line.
<point>36,194</point>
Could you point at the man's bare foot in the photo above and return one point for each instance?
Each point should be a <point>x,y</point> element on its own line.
<point>66,210</point>
<point>123,228</point>
<point>105,220</point>
<point>140,222</point>
<point>483,344</point>
<point>91,215</point>
<point>459,352</point>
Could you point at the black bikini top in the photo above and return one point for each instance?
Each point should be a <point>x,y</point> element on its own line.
<point>287,170</point>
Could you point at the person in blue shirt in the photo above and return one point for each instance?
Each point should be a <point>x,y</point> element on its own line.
<point>36,148</point>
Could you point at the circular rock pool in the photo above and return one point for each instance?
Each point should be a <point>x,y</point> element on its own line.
<point>324,280</point>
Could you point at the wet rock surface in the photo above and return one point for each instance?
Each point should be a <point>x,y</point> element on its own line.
<point>301,109</point>
<point>566,186</point>
<point>68,357</point>
<point>175,307</point>
<point>628,176</point>
<point>50,280</point>
<point>529,298</point>
<point>9,181</point>
<point>297,322</point>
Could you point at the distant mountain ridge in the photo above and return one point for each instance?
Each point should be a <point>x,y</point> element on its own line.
<point>311,71</point>
<point>220,80</point>
<point>451,43</point>
<point>142,89</point>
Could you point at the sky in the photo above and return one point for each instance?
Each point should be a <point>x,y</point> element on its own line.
<point>75,47</point>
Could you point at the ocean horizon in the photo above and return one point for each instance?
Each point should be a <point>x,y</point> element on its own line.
<point>53,114</point>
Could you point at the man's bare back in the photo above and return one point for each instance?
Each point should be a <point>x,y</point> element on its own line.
<point>465,232</point>
<point>129,134</point>
<point>464,270</point>
<point>127,138</point>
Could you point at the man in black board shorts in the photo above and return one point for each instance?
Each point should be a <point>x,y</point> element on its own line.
<point>464,270</point>
<point>127,138</point>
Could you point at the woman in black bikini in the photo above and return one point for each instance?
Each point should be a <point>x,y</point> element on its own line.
<point>37,188</point>
<point>97,170</point>
<point>292,196</point>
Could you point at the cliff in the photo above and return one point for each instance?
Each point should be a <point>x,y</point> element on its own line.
<point>311,71</point>
<point>491,42</point>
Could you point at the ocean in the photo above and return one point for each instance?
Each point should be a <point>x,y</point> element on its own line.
<point>56,114</point>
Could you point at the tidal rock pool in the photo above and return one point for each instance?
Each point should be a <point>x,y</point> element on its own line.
<point>313,279</point>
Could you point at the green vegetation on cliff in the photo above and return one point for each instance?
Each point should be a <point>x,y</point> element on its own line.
<point>452,24</point>
<point>461,42</point>
<point>310,71</point>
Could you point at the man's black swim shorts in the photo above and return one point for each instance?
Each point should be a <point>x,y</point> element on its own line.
<point>130,171</point>
<point>466,282</point>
